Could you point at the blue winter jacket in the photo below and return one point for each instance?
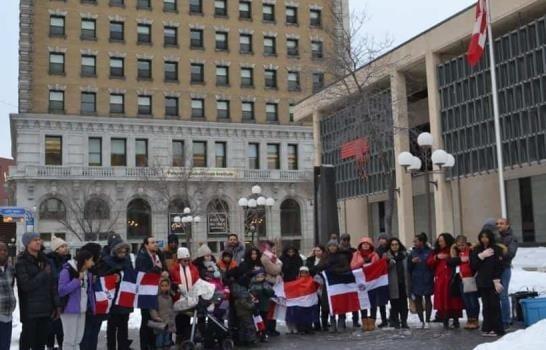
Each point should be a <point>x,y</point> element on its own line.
<point>422,277</point>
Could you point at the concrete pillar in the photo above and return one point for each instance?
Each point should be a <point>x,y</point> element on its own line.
<point>406,224</point>
<point>443,204</point>
<point>316,139</point>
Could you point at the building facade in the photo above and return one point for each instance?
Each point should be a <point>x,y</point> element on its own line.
<point>427,85</point>
<point>132,110</point>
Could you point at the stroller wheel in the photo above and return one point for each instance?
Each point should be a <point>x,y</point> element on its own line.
<point>187,345</point>
<point>228,344</point>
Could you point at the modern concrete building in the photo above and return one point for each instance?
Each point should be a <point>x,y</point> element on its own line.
<point>430,87</point>
<point>131,111</point>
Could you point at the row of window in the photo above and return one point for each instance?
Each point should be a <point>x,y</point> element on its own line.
<point>195,7</point>
<point>88,105</point>
<point>170,37</point>
<point>118,153</point>
<point>88,68</point>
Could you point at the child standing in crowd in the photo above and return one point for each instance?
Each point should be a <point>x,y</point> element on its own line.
<point>226,264</point>
<point>398,283</point>
<point>460,260</point>
<point>244,309</point>
<point>421,278</point>
<point>76,292</point>
<point>163,317</point>
<point>262,291</point>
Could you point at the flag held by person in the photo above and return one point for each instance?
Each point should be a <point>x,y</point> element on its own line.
<point>146,292</point>
<point>105,290</point>
<point>301,292</point>
<point>127,290</point>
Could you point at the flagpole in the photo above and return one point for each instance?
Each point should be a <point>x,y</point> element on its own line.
<point>494,93</point>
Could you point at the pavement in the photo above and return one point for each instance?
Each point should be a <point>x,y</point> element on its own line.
<point>381,339</point>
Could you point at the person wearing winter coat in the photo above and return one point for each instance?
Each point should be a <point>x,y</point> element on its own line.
<point>7,297</point>
<point>58,256</point>
<point>163,316</point>
<point>510,242</point>
<point>381,249</point>
<point>244,305</point>
<point>262,291</point>
<point>77,296</point>
<point>38,297</point>
<point>447,306</point>
<point>314,263</point>
<point>399,283</point>
<point>251,262</point>
<point>226,264</point>
<point>487,260</point>
<point>291,263</point>
<point>273,268</point>
<point>421,278</point>
<point>203,256</point>
<point>460,260</point>
<point>169,253</point>
<point>119,263</point>
<point>346,248</point>
<point>235,247</point>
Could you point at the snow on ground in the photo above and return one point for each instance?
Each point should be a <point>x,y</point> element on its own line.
<point>525,339</point>
<point>530,258</point>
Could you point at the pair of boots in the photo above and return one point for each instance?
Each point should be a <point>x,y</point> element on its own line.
<point>456,324</point>
<point>340,325</point>
<point>368,324</point>
<point>472,323</point>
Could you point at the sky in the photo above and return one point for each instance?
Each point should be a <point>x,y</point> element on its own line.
<point>398,20</point>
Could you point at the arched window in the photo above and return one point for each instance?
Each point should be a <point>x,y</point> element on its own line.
<point>52,209</point>
<point>176,209</point>
<point>139,219</point>
<point>96,209</point>
<point>290,218</point>
<point>217,217</point>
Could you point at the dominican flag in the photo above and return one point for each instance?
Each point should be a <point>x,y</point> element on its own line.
<point>105,290</point>
<point>127,290</point>
<point>258,322</point>
<point>479,34</point>
<point>355,290</point>
<point>146,292</point>
<point>301,292</point>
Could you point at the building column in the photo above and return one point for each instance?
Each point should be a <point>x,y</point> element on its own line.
<point>443,204</point>
<point>316,138</point>
<point>404,203</point>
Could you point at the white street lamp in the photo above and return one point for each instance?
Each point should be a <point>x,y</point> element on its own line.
<point>261,200</point>
<point>177,219</point>
<point>450,163</point>
<point>256,189</point>
<point>187,210</point>
<point>405,159</point>
<point>197,219</point>
<point>439,157</point>
<point>425,139</point>
<point>252,203</point>
<point>269,202</point>
<point>243,202</point>
<point>415,164</point>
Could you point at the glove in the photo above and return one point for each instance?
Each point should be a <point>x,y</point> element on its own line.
<point>486,254</point>
<point>498,286</point>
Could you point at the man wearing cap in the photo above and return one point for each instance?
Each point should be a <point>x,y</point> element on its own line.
<point>7,297</point>
<point>169,253</point>
<point>38,297</point>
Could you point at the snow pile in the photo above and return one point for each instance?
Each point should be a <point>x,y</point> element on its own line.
<point>530,258</point>
<point>525,339</point>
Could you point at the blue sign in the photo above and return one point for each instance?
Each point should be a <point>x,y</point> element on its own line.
<point>17,212</point>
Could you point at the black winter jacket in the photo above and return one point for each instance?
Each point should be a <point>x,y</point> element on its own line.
<point>488,269</point>
<point>144,263</point>
<point>38,296</point>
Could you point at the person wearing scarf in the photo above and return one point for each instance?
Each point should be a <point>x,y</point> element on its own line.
<point>273,268</point>
<point>399,283</point>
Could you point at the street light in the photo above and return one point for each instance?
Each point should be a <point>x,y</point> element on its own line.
<point>252,207</point>
<point>414,165</point>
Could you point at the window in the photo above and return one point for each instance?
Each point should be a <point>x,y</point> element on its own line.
<point>220,8</point>
<point>268,12</point>
<point>269,46</point>
<point>247,77</point>
<point>144,33</point>
<point>196,39</point>
<point>292,47</point>
<point>89,66</point>
<point>222,75</point>
<point>144,69</point>
<point>291,112</point>
<point>315,18</point>
<point>119,152</point>
<point>53,150</point>
<point>56,101</point>
<point>170,36</point>
<point>197,73</point>
<point>271,112</point>
<point>171,106</point>
<point>196,7</point>
<point>56,63</point>
<point>144,105</point>
<point>139,219</point>
<point>291,15</point>
<point>171,71</point>
<point>144,4</point>
<point>170,5</point>
<point>95,151</point>
<point>117,67</point>
<point>117,104</point>
<point>116,31</point>
<point>199,154</point>
<point>220,154</point>
<point>245,10</point>
<point>292,157</point>
<point>52,209</point>
<point>88,29</point>
<point>141,152</point>
<point>294,81</point>
<point>290,218</point>
<point>56,26</point>
<point>88,102</point>
<point>197,108</point>
<point>222,109</point>
<point>222,41</point>
<point>316,49</point>
<point>273,159</point>
<point>318,81</point>
<point>253,154</point>
<point>247,108</point>
<point>245,43</point>
<point>271,78</point>
<point>96,209</point>
<point>119,3</point>
<point>178,154</point>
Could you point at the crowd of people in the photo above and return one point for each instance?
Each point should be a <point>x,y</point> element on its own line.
<point>57,300</point>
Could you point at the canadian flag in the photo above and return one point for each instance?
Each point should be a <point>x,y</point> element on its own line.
<point>479,34</point>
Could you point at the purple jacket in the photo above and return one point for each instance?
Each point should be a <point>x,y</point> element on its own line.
<point>70,285</point>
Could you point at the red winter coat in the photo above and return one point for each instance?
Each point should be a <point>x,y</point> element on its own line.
<point>175,277</point>
<point>446,305</point>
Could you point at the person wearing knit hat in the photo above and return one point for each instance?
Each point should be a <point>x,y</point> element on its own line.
<point>203,256</point>
<point>490,225</point>
<point>57,243</point>
<point>28,237</point>
<point>203,251</point>
<point>182,253</point>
